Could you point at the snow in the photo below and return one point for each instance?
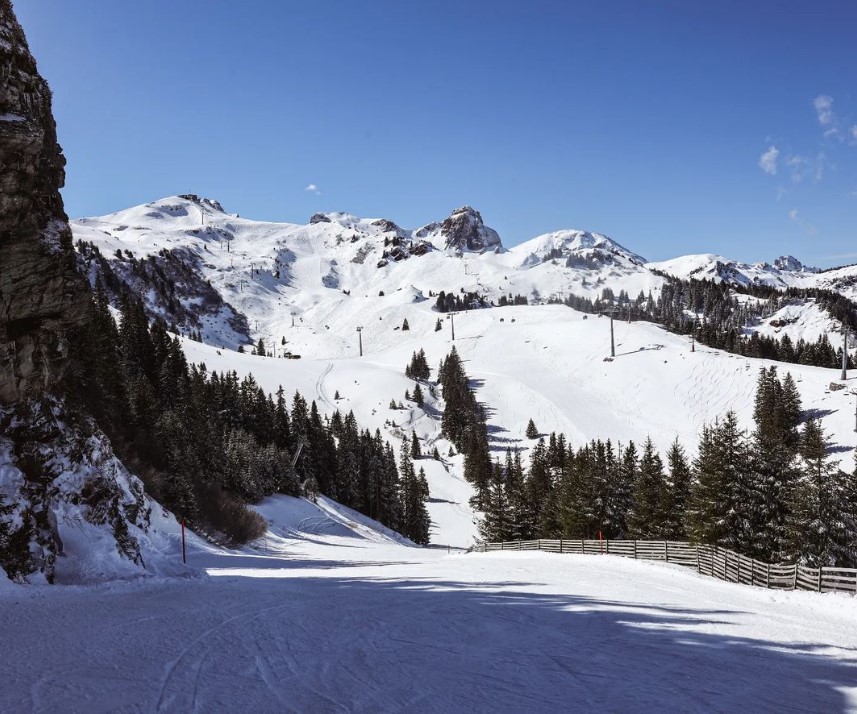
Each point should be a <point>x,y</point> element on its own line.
<point>544,362</point>
<point>569,242</point>
<point>12,118</point>
<point>319,620</point>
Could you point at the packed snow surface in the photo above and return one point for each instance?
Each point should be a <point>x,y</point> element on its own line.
<point>330,614</point>
<point>544,362</point>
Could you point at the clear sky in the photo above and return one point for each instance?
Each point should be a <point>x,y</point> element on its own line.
<point>674,126</point>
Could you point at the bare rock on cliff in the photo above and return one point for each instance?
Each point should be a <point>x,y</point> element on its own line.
<point>41,294</point>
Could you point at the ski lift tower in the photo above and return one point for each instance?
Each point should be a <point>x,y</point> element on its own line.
<point>612,313</point>
<point>451,318</point>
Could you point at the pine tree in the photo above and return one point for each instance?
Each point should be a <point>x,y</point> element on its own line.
<point>647,520</point>
<point>676,493</point>
<point>496,524</point>
<point>539,482</point>
<point>415,519</point>
<point>532,432</point>
<point>823,515</point>
<point>438,325</point>
<point>418,395</point>
<point>522,526</point>
<point>405,325</point>
<point>416,452</point>
<point>717,512</point>
<point>773,471</point>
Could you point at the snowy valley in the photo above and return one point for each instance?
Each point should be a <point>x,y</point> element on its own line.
<point>254,466</point>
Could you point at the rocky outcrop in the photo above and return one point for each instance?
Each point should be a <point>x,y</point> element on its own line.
<point>42,296</point>
<point>793,265</point>
<point>463,230</point>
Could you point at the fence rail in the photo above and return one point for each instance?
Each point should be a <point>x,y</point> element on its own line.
<point>705,559</point>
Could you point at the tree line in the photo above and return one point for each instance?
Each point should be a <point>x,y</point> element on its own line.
<point>712,313</point>
<point>772,493</point>
<point>207,443</point>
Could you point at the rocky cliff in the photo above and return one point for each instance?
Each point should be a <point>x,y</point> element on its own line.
<point>463,230</point>
<point>42,296</point>
<point>69,510</point>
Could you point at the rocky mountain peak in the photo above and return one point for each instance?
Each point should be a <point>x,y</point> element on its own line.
<point>464,230</point>
<point>792,264</point>
<point>202,201</point>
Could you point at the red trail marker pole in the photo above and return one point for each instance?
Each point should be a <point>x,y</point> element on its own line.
<point>184,551</point>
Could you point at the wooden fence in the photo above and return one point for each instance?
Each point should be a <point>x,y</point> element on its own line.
<point>705,559</point>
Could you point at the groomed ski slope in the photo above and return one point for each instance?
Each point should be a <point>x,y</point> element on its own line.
<point>542,362</point>
<point>332,615</point>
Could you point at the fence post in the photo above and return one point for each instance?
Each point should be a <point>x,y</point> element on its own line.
<point>666,551</point>
<point>539,542</point>
<point>794,577</point>
<point>698,567</point>
<point>635,549</point>
<point>768,576</point>
<point>608,546</point>
<point>819,578</point>
<point>560,545</point>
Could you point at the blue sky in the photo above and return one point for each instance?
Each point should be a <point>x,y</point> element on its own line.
<point>673,126</point>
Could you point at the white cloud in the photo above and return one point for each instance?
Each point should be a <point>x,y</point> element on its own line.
<point>823,104</point>
<point>853,132</point>
<point>768,161</point>
<point>820,162</point>
<point>781,191</point>
<point>807,228</point>
<point>806,167</point>
<point>312,188</point>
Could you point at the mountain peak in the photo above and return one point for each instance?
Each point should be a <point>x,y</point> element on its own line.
<point>578,248</point>
<point>464,230</point>
<point>202,201</point>
<point>792,264</point>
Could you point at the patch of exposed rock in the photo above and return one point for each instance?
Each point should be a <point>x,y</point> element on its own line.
<point>42,296</point>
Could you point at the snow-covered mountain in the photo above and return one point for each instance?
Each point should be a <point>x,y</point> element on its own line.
<point>785,272</point>
<point>305,288</point>
<point>578,249</point>
<point>235,280</point>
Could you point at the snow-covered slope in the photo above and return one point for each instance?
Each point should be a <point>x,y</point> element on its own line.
<point>93,520</point>
<point>386,628</point>
<point>578,248</point>
<point>305,289</point>
<point>541,362</point>
<point>235,280</point>
<point>785,272</point>
<point>262,274</point>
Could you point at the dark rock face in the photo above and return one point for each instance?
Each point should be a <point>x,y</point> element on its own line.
<point>41,294</point>
<point>792,264</point>
<point>464,230</point>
